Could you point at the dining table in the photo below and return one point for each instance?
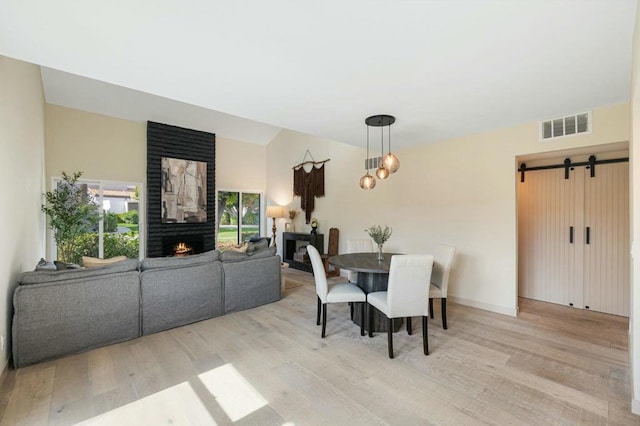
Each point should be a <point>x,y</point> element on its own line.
<point>373,275</point>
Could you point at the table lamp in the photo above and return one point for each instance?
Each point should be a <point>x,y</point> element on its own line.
<point>275,212</point>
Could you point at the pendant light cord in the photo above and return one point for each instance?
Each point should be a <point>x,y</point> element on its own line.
<point>366,160</point>
<point>381,142</point>
<point>389,138</point>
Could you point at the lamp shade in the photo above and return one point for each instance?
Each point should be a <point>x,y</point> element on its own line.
<point>275,212</point>
<point>367,181</point>
<point>391,163</point>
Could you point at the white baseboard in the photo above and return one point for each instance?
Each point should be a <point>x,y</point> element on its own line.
<point>512,312</point>
<point>635,406</point>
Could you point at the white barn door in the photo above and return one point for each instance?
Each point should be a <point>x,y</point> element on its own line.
<point>546,211</point>
<point>555,263</point>
<point>607,250</point>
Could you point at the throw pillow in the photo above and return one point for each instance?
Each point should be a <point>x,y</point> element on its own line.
<point>63,266</point>
<point>240,249</point>
<point>93,262</point>
<point>43,265</point>
<point>257,246</point>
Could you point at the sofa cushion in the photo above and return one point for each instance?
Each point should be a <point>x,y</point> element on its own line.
<point>177,262</point>
<point>54,319</point>
<point>232,256</point>
<point>172,297</point>
<point>251,284</point>
<point>39,277</point>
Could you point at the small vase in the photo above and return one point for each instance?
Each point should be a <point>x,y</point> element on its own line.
<point>380,256</point>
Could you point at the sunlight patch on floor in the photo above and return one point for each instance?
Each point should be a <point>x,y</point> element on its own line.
<point>177,405</point>
<point>233,393</point>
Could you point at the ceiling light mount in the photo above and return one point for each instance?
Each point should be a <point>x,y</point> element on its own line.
<point>380,120</point>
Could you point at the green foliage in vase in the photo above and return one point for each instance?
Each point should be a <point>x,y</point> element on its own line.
<point>71,211</point>
<point>378,234</point>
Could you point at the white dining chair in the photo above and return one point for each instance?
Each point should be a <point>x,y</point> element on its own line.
<point>407,295</point>
<point>364,245</point>
<point>338,293</point>
<point>442,263</point>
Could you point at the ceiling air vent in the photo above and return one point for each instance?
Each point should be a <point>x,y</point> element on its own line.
<point>566,126</point>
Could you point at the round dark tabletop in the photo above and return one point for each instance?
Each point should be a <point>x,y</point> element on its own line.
<point>363,262</point>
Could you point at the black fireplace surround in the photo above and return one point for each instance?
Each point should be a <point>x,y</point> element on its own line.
<point>176,142</point>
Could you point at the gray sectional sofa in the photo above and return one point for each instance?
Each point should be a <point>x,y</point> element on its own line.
<point>58,313</point>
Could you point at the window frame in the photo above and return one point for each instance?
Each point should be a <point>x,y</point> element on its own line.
<point>53,247</point>
<point>261,229</point>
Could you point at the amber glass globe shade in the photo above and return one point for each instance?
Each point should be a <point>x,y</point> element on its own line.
<point>391,163</point>
<point>367,181</point>
<point>382,172</point>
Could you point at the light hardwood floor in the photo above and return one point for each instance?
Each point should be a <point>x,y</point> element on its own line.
<point>269,366</point>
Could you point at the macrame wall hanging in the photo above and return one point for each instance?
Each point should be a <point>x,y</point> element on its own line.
<point>308,184</point>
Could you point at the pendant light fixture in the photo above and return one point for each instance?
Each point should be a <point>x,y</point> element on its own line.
<point>367,181</point>
<point>382,172</point>
<point>390,161</point>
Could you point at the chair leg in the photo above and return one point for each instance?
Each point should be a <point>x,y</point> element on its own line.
<point>425,336</point>
<point>370,322</point>
<point>390,336</point>
<point>409,326</point>
<point>431,308</point>
<point>444,313</point>
<point>324,318</point>
<point>319,309</point>
<point>362,318</point>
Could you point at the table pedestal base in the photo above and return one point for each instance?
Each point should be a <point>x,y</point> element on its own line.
<point>371,282</point>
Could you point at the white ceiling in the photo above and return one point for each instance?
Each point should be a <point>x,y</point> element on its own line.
<point>443,68</point>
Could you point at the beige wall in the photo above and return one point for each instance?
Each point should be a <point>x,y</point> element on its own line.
<point>21,180</point>
<point>111,148</point>
<point>114,149</point>
<point>240,165</point>
<point>460,192</point>
<point>634,320</point>
<point>101,147</point>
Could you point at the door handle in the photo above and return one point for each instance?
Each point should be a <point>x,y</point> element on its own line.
<point>571,235</point>
<point>588,235</point>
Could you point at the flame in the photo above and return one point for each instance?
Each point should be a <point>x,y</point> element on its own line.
<point>182,249</point>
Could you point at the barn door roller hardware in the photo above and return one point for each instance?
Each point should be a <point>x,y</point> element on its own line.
<point>567,165</point>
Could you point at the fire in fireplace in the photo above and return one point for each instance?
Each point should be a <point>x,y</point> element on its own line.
<point>183,245</point>
<point>182,249</point>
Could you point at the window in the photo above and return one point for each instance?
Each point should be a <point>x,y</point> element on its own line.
<point>120,222</point>
<point>239,217</point>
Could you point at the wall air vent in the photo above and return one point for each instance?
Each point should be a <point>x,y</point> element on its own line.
<point>565,126</point>
<point>372,163</point>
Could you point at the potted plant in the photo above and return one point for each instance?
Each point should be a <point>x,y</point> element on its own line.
<point>379,236</point>
<point>71,211</point>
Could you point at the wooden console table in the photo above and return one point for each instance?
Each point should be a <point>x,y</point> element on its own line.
<point>290,243</point>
